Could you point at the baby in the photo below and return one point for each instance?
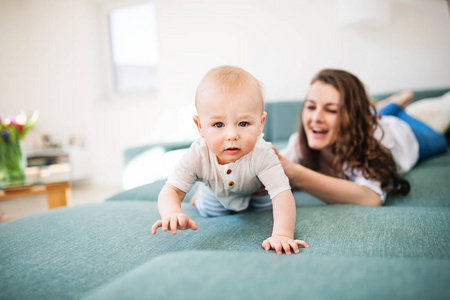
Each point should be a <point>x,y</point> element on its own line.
<point>231,160</point>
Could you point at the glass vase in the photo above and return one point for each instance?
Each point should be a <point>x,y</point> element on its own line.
<point>13,162</point>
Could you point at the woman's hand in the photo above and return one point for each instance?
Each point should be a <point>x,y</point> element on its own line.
<point>174,221</point>
<point>291,169</point>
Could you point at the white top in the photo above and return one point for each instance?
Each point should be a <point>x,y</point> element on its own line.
<point>234,183</point>
<point>398,138</point>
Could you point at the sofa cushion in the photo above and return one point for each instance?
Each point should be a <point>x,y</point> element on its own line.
<point>67,252</point>
<point>418,94</point>
<point>225,275</point>
<point>430,184</point>
<point>64,253</point>
<point>423,192</point>
<point>147,192</point>
<point>150,192</point>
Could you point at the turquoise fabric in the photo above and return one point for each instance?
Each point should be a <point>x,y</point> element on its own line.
<point>282,120</point>
<point>67,253</point>
<point>225,275</point>
<point>418,94</point>
<point>148,192</point>
<point>430,184</point>
<point>424,181</point>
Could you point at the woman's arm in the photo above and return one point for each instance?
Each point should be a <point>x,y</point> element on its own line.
<point>327,188</point>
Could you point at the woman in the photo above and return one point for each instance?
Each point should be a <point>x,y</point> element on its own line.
<point>344,153</point>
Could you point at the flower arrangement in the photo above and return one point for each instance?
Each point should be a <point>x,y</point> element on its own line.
<point>12,156</point>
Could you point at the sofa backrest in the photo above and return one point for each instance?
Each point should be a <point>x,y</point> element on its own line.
<point>418,94</point>
<point>282,119</point>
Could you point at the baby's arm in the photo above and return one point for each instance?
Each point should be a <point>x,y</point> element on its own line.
<point>284,215</point>
<point>169,206</point>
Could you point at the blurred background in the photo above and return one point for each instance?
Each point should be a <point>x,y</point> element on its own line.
<point>107,75</point>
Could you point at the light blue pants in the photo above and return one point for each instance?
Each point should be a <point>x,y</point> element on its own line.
<point>430,141</point>
<point>208,205</point>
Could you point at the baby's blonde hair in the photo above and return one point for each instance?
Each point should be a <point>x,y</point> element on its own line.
<point>229,79</point>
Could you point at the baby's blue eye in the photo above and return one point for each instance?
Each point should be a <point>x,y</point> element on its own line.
<point>219,125</point>
<point>243,124</point>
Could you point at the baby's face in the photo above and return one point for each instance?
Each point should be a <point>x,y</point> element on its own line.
<point>230,123</point>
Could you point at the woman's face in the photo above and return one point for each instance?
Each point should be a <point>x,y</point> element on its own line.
<point>320,115</point>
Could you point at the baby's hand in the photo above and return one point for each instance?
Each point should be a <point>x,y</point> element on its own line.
<point>175,221</point>
<point>280,243</point>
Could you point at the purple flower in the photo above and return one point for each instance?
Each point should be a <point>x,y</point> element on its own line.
<point>5,135</point>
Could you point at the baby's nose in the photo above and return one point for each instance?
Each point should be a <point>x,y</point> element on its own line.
<point>232,134</point>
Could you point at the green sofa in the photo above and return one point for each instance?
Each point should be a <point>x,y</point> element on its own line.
<point>106,250</point>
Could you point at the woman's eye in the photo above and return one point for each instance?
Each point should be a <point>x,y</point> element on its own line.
<point>219,125</point>
<point>311,107</point>
<point>243,124</point>
<point>333,111</point>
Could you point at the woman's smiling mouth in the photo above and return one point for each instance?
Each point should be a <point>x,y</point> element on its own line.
<point>318,130</point>
<point>319,133</point>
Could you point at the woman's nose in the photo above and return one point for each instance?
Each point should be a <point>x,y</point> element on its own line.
<point>317,115</point>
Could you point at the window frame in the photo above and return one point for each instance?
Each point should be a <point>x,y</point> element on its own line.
<point>109,92</point>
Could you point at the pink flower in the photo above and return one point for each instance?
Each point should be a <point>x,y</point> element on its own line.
<point>17,124</point>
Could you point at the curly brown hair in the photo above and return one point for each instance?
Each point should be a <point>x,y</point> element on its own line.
<point>356,148</point>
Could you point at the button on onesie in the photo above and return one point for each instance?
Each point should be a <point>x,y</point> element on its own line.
<point>230,182</point>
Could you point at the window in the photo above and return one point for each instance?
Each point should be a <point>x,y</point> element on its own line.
<point>134,52</point>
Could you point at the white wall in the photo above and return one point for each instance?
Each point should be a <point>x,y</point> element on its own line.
<point>46,62</point>
<point>52,56</point>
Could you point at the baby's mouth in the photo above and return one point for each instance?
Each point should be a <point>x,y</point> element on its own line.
<point>232,149</point>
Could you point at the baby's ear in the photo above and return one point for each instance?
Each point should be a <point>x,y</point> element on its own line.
<point>263,121</point>
<point>198,123</point>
